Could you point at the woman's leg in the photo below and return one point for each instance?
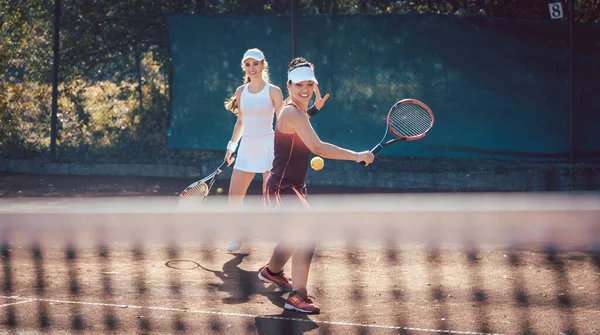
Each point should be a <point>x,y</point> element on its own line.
<point>282,253</point>
<point>273,272</point>
<point>238,186</point>
<point>301,260</point>
<point>265,176</point>
<point>303,253</point>
<point>298,299</point>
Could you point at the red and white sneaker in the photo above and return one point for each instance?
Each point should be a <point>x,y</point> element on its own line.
<point>301,302</point>
<point>279,279</point>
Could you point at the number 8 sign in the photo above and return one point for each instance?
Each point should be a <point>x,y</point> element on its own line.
<point>556,10</point>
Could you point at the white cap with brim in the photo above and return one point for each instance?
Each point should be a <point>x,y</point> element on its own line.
<point>253,53</point>
<point>301,74</point>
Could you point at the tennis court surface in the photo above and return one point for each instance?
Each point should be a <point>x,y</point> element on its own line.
<point>107,262</point>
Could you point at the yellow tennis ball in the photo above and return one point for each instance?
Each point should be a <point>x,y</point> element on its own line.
<point>219,190</point>
<point>317,163</point>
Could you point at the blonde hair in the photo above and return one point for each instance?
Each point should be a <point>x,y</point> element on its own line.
<point>231,103</point>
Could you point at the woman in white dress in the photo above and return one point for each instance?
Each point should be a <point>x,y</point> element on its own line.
<point>255,103</point>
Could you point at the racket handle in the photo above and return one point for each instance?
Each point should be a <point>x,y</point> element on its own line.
<point>374,151</point>
<point>222,166</point>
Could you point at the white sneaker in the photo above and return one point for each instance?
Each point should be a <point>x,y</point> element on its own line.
<point>233,246</point>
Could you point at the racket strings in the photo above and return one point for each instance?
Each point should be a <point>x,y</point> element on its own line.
<point>410,120</point>
<point>200,191</point>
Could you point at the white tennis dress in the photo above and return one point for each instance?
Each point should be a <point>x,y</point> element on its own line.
<point>256,149</point>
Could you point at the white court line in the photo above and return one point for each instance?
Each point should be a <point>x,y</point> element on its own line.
<point>16,303</point>
<point>350,324</point>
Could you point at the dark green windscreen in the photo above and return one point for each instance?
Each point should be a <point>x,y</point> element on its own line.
<point>498,88</point>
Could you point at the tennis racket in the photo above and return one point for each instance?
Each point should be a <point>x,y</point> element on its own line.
<point>408,120</point>
<point>196,193</point>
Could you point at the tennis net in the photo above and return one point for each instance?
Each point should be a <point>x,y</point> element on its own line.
<point>385,264</point>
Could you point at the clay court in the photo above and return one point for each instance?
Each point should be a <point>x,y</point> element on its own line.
<point>196,287</point>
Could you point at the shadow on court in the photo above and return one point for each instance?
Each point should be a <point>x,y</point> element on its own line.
<point>285,323</point>
<point>240,284</point>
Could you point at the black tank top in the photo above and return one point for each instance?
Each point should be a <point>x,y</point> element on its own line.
<point>290,164</point>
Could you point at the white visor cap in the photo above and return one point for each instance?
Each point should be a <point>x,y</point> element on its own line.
<point>301,74</point>
<point>253,53</point>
